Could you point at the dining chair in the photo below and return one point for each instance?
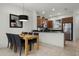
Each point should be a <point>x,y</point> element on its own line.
<point>35,39</point>
<point>18,43</point>
<point>13,42</point>
<point>30,33</point>
<point>25,32</point>
<point>9,40</point>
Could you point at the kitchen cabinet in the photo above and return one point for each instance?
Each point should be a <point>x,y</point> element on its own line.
<point>50,24</point>
<point>40,20</point>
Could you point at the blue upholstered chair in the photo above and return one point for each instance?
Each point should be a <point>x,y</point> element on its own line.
<point>18,43</point>
<point>14,42</point>
<point>33,40</point>
<point>9,40</point>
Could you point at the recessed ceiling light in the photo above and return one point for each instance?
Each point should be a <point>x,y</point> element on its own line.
<point>50,15</point>
<point>43,12</point>
<point>58,13</point>
<point>53,9</point>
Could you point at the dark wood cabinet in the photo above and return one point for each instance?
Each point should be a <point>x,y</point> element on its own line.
<point>67,20</point>
<point>38,20</point>
<point>49,24</point>
<point>42,20</point>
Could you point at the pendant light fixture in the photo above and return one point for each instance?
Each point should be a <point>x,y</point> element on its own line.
<point>23,17</point>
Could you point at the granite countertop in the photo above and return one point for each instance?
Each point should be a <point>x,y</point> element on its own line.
<point>49,31</point>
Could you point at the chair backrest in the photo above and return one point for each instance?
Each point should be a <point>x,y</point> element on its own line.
<point>13,39</point>
<point>9,37</point>
<point>18,42</point>
<point>25,32</point>
<point>30,33</point>
<point>36,33</point>
<point>17,39</point>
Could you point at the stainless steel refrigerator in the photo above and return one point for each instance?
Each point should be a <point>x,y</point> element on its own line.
<point>68,31</point>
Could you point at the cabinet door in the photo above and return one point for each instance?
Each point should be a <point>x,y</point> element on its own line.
<point>50,24</point>
<point>67,20</point>
<point>38,20</point>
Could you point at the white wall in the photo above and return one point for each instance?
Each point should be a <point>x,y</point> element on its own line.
<point>60,17</point>
<point>34,21</point>
<point>76,25</point>
<point>5,10</point>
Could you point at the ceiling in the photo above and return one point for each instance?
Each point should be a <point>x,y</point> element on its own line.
<point>45,9</point>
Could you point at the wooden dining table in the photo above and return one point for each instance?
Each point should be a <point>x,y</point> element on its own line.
<point>27,37</point>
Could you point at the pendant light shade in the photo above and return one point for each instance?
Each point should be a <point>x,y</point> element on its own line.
<point>23,17</point>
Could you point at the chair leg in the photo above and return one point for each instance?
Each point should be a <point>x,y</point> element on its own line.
<point>20,51</point>
<point>15,48</point>
<point>11,46</point>
<point>30,46</point>
<point>8,44</point>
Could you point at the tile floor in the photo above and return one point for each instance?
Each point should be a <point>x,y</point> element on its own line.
<point>70,49</point>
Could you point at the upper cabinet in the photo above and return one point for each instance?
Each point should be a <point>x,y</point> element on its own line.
<point>50,24</point>
<point>57,24</point>
<point>67,20</point>
<point>41,21</point>
<point>38,21</point>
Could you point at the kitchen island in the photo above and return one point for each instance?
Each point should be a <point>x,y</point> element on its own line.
<point>55,38</point>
